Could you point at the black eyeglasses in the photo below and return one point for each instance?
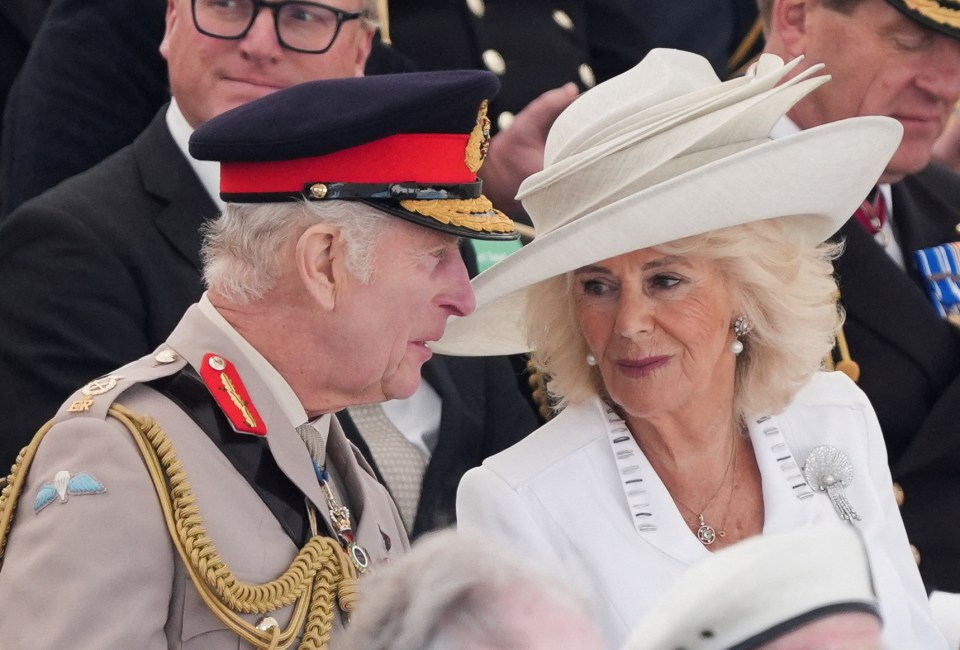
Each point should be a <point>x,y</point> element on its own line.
<point>308,27</point>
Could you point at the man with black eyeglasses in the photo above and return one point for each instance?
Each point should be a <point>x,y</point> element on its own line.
<point>98,270</point>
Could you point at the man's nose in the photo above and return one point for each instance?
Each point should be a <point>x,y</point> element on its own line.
<point>459,299</point>
<point>261,41</point>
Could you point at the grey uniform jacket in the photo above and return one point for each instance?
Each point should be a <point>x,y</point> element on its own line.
<point>98,570</point>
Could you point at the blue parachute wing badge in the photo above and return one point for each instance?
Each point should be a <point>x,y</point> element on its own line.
<point>45,496</point>
<point>64,484</point>
<point>83,483</point>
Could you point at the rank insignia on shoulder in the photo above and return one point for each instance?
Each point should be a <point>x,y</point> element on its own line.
<point>64,484</point>
<point>101,385</point>
<point>96,387</point>
<point>224,383</point>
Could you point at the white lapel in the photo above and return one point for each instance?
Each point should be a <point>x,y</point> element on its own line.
<point>788,502</point>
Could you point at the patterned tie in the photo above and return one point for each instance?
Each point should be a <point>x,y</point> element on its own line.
<point>400,462</point>
<point>872,215</point>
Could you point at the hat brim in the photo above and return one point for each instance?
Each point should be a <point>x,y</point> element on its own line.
<point>453,216</point>
<point>815,179</point>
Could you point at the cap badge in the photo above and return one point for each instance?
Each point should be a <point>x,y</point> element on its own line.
<point>224,383</point>
<point>479,142</point>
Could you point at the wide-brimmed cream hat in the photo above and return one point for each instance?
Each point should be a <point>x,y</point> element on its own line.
<point>666,151</point>
<point>760,589</point>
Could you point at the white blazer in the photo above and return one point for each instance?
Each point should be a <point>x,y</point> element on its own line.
<point>579,498</point>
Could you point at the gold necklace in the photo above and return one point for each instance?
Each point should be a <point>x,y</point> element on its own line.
<point>706,533</point>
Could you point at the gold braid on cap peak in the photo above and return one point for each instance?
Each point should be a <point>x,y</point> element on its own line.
<point>476,214</point>
<point>318,577</point>
<point>935,11</point>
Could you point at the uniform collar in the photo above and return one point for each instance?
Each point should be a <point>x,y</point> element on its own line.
<point>290,405</point>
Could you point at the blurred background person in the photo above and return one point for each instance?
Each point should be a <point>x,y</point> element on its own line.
<point>899,59</point>
<point>680,300</point>
<point>462,592</point>
<point>725,32</point>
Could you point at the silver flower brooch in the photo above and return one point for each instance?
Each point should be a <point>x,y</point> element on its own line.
<point>827,469</point>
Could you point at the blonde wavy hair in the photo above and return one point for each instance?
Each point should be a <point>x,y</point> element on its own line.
<point>785,290</point>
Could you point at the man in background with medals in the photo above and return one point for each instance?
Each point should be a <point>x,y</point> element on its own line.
<point>898,273</point>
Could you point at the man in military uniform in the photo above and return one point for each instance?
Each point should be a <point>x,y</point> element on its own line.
<point>902,59</point>
<point>204,496</point>
<point>99,270</point>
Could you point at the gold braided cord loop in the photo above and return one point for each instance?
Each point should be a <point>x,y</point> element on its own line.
<point>313,579</point>
<point>319,577</point>
<point>933,10</point>
<point>476,214</point>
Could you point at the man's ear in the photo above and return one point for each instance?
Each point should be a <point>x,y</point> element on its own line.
<point>363,45</point>
<point>789,24</point>
<point>171,19</point>
<point>320,259</point>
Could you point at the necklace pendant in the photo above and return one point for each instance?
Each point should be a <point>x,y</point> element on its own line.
<point>707,534</point>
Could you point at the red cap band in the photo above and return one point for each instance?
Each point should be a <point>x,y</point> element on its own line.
<point>438,158</point>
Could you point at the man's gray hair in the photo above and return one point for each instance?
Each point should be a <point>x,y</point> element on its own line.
<point>452,591</point>
<point>243,250</point>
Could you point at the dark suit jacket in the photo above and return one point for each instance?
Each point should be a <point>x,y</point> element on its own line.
<point>538,51</point>
<point>90,84</point>
<point>910,365</point>
<point>483,413</point>
<point>93,274</point>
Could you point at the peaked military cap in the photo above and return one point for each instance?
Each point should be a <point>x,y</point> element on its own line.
<point>407,144</point>
<point>941,15</point>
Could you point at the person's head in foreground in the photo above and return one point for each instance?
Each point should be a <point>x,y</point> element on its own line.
<point>899,58</point>
<point>461,592</point>
<point>341,236</point>
<point>806,589</point>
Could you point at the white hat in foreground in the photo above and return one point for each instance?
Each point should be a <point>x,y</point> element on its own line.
<point>756,591</point>
<point>666,151</point>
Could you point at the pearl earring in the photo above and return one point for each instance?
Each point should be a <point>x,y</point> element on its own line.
<point>741,326</point>
<point>591,360</point>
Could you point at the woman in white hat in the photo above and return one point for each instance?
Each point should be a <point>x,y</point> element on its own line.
<point>680,299</point>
